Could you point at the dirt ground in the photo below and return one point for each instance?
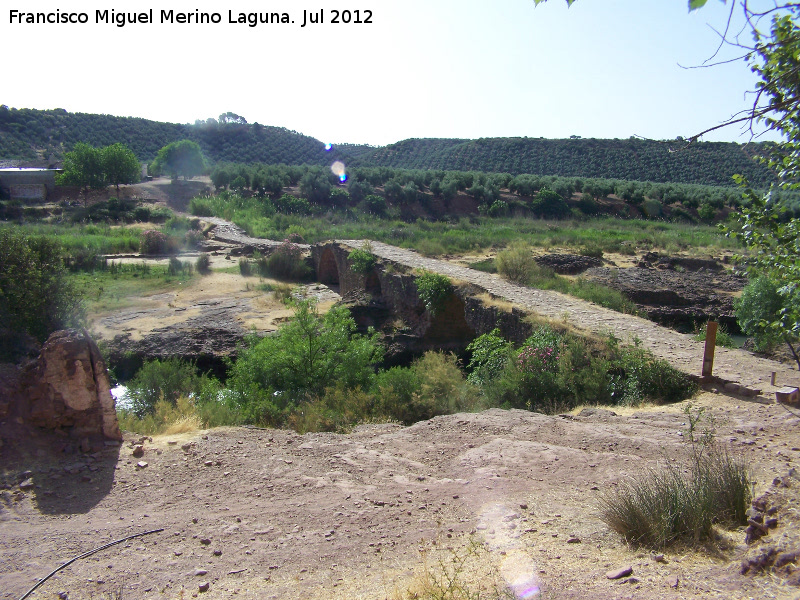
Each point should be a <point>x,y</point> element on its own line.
<point>271,514</point>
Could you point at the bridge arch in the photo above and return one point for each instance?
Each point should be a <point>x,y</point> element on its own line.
<point>328,270</point>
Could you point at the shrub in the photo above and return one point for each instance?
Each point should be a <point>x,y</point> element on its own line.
<point>141,214</point>
<point>193,238</point>
<point>553,371</point>
<point>165,380</point>
<point>177,267</point>
<point>433,290</point>
<point>203,264</point>
<point>499,208</point>
<point>160,214</point>
<point>433,385</point>
<point>286,262</point>
<point>338,409</point>
<point>593,251</point>
<point>290,205</point>
<point>516,264</point>
<point>36,298</point>
<point>652,208</point>
<point>588,205</point>
<point>153,241</point>
<point>245,267</point>
<point>201,207</point>
<point>273,374</point>
<point>759,305</point>
<point>653,378</point>
<point>490,353</point>
<point>375,205</point>
<point>361,259</point>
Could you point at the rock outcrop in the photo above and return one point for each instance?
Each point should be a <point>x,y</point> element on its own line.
<point>568,264</point>
<point>67,388</point>
<point>678,298</point>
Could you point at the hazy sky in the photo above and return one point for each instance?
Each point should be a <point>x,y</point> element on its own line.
<point>422,68</point>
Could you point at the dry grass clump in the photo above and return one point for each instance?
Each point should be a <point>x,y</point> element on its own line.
<point>467,573</point>
<point>184,424</point>
<point>677,500</point>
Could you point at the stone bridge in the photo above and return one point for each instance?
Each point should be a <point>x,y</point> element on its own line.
<point>473,310</point>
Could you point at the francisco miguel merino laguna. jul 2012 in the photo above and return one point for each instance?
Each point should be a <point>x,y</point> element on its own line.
<point>251,19</point>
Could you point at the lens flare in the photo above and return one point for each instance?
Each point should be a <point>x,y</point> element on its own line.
<point>339,170</point>
<point>502,535</point>
<point>328,147</point>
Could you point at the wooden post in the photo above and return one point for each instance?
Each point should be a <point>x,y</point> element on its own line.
<point>711,343</point>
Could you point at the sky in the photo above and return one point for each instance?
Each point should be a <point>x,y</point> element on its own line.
<point>420,68</point>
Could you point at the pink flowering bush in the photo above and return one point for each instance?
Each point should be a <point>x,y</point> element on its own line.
<point>286,262</point>
<point>153,241</point>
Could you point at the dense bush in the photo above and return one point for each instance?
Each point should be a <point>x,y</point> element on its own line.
<point>290,205</point>
<point>273,374</point>
<point>36,297</point>
<point>433,290</point>
<point>286,262</point>
<point>164,380</point>
<point>489,355</point>
<point>362,260</point>
<point>153,242</point>
<point>433,385</point>
<point>554,371</point>
<point>549,204</point>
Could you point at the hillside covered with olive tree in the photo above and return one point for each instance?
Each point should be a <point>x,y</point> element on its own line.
<point>42,136</point>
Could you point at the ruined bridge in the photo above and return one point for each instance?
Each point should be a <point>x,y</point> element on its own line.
<point>467,314</point>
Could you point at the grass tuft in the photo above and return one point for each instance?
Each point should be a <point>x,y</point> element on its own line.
<point>677,500</point>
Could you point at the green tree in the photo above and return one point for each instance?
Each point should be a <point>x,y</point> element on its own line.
<point>548,204</point>
<point>120,165</point>
<point>179,159</point>
<point>316,187</point>
<point>759,312</point>
<point>36,298</point>
<point>83,167</point>
<point>308,354</point>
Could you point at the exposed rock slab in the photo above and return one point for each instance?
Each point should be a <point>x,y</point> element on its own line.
<point>676,297</point>
<point>568,264</point>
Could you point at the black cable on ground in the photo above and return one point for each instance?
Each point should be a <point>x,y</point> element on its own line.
<point>84,555</point>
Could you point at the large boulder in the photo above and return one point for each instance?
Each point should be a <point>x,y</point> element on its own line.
<point>68,388</point>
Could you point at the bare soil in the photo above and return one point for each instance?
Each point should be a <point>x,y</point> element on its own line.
<point>273,514</point>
